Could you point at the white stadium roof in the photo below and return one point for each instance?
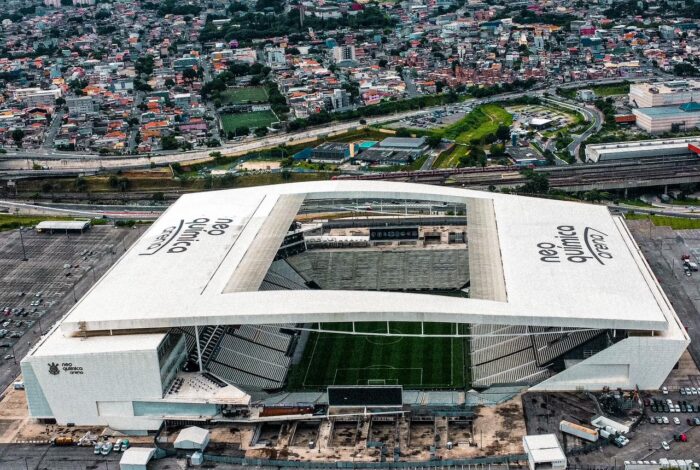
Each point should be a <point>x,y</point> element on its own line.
<point>532,262</point>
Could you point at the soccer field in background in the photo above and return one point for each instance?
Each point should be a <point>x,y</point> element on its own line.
<point>339,359</point>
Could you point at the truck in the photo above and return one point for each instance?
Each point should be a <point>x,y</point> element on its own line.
<point>577,430</point>
<point>62,441</point>
<point>601,422</point>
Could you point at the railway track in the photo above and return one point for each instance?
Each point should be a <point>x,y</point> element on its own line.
<point>643,172</point>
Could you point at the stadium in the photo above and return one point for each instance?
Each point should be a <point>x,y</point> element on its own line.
<point>304,299</point>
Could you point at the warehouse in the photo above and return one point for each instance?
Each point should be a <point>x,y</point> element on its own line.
<point>640,149</point>
<point>216,302</point>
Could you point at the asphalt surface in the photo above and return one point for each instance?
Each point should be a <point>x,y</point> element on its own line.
<point>44,273</point>
<point>663,249</point>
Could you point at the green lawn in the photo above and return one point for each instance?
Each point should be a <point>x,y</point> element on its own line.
<point>676,223</point>
<point>249,94</point>
<point>339,359</point>
<point>611,90</point>
<point>480,122</point>
<point>252,120</point>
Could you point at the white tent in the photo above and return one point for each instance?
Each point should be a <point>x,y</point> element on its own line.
<point>192,438</point>
<point>136,458</point>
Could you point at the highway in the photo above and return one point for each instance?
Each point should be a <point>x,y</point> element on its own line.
<point>54,163</point>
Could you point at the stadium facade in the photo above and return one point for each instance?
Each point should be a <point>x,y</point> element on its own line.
<point>205,313</point>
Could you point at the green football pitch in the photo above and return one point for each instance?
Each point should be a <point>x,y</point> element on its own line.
<point>343,359</point>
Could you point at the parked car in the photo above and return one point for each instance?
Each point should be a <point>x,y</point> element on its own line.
<point>676,421</point>
<point>106,448</point>
<point>664,419</point>
<point>665,446</point>
<point>97,450</point>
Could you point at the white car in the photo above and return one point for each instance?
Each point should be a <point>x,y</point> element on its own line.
<point>676,421</point>
<point>664,390</point>
<point>665,420</point>
<point>665,446</point>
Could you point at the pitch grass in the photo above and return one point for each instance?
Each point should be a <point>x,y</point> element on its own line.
<point>341,359</point>
<point>251,120</point>
<point>249,94</point>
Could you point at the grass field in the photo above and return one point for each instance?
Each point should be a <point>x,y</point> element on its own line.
<point>339,359</point>
<point>249,94</point>
<point>474,126</point>
<point>251,120</point>
<point>676,223</point>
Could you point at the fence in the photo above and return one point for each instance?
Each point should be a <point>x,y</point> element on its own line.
<point>507,461</point>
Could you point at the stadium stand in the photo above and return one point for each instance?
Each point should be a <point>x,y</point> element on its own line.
<point>521,358</point>
<point>374,269</point>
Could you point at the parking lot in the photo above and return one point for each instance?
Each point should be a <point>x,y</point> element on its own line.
<point>37,292</point>
<point>437,118</point>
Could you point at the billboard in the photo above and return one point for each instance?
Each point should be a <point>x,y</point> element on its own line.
<point>393,233</point>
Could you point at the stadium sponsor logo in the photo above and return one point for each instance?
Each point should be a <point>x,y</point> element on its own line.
<point>68,367</point>
<point>575,246</point>
<point>180,237</point>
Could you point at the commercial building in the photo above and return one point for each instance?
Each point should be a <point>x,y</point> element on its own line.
<point>639,149</point>
<point>345,53</point>
<point>81,105</point>
<point>219,289</point>
<point>331,152</point>
<point>35,97</point>
<point>652,95</point>
<point>685,117</point>
<point>394,151</point>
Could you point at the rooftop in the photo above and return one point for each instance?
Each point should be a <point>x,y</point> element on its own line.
<point>565,264</point>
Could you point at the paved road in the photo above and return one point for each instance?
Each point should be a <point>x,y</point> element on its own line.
<point>71,162</point>
<point>591,114</point>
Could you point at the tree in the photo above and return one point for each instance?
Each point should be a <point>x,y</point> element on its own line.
<point>685,69</point>
<point>241,131</point>
<point>169,83</point>
<point>434,141</point>
<point>383,62</point>
<point>537,183</point>
<point>60,101</point>
<point>124,184</point>
<point>189,75</point>
<point>158,197</point>
<point>18,136</point>
<point>113,181</point>
<point>261,131</point>
<point>168,142</point>
<point>503,132</point>
<point>80,183</point>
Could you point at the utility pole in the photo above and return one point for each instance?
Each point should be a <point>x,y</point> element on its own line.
<point>21,240</point>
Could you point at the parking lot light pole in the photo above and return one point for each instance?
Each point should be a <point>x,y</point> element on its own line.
<point>21,240</point>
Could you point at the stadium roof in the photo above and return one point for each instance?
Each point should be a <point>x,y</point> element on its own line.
<point>532,261</point>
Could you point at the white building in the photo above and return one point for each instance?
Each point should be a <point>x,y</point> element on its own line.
<point>651,95</point>
<point>544,452</point>
<point>274,57</point>
<point>639,149</point>
<point>685,117</point>
<point>117,359</point>
<point>345,53</point>
<point>36,96</point>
